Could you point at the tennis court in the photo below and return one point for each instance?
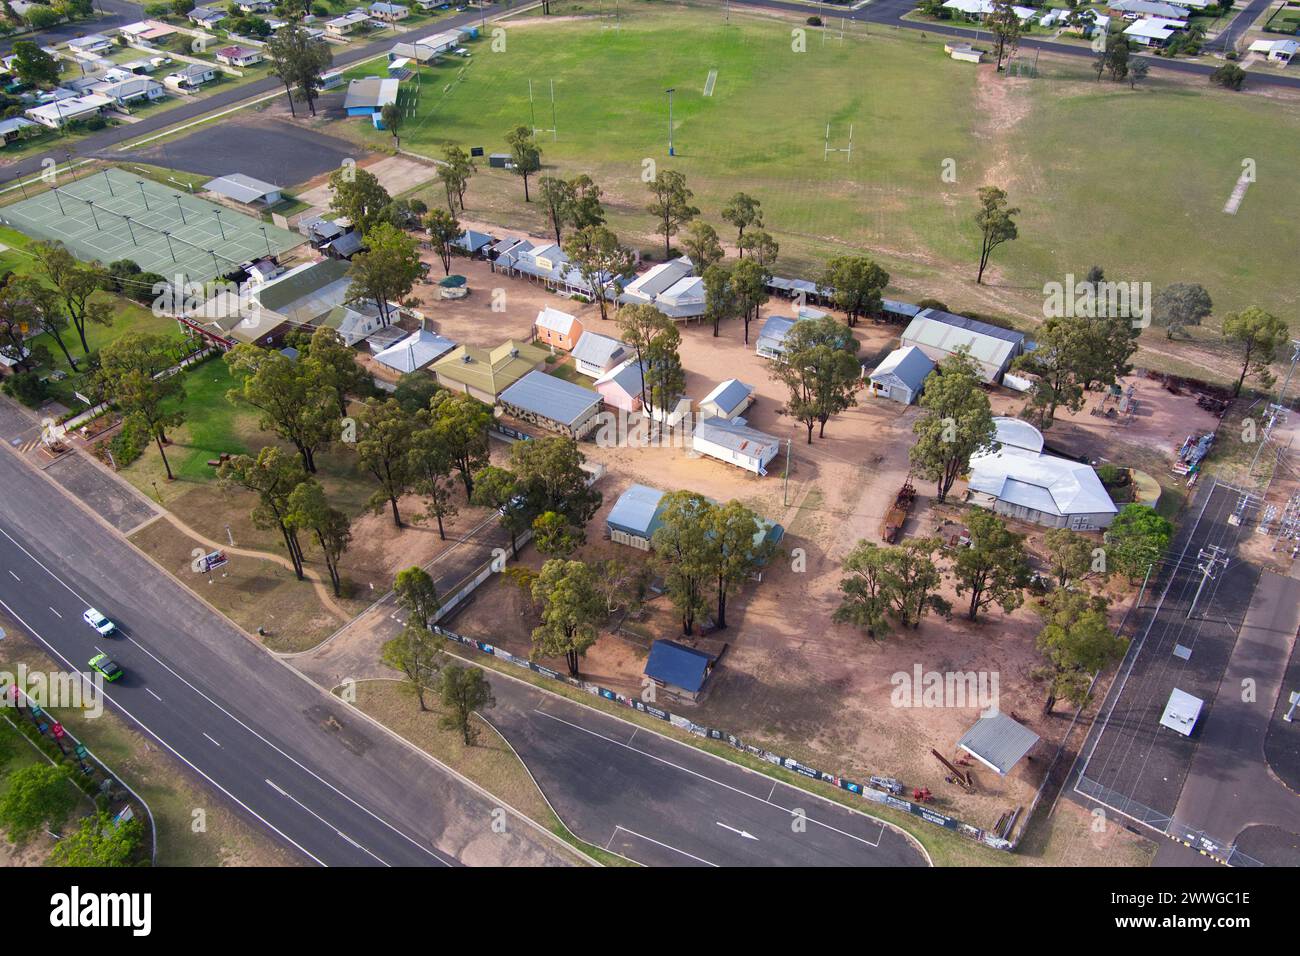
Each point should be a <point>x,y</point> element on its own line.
<point>112,214</point>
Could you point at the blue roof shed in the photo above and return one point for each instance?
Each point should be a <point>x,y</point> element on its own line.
<point>678,666</point>
<point>636,511</point>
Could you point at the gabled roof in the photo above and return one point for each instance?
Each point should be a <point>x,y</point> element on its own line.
<point>775,329</point>
<point>472,241</point>
<point>288,291</point>
<point>415,351</point>
<point>729,396</point>
<point>240,188</point>
<point>550,397</point>
<point>660,278</point>
<point>678,665</point>
<point>739,438</point>
<point>909,365</point>
<point>628,376</point>
<point>555,320</point>
<point>933,329</point>
<point>600,350</point>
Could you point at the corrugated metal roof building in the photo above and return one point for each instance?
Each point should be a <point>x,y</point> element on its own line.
<point>998,742</point>
<point>552,403</point>
<point>941,334</point>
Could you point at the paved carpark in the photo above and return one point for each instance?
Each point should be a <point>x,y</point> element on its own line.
<point>1282,744</point>
<point>260,146</point>
<point>1130,762</point>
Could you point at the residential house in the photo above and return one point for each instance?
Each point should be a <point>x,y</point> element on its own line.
<point>69,109</point>
<point>133,90</point>
<point>1276,51</point>
<point>319,230</point>
<point>16,128</point>
<point>551,403</point>
<point>940,334</point>
<point>486,373</point>
<point>256,6</point>
<point>678,670</point>
<point>244,190</point>
<point>345,246</point>
<point>389,12</point>
<point>595,354</point>
<point>191,76</point>
<point>901,375</point>
<point>1153,31</point>
<point>1016,479</point>
<point>239,55</point>
<point>414,352</point>
<point>620,387</point>
<point>979,9</point>
<point>559,330</point>
<point>728,400</point>
<point>148,30</point>
<point>207,16</point>
<point>347,24</point>
<point>735,444</point>
<point>1148,8</point>
<point>546,262</point>
<point>647,287</point>
<point>637,513</point>
<point>88,46</point>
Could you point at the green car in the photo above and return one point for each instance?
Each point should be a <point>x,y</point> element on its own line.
<point>106,666</point>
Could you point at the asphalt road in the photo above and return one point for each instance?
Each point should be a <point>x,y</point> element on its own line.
<point>890,12</point>
<point>340,790</point>
<point>116,13</point>
<point>664,803</point>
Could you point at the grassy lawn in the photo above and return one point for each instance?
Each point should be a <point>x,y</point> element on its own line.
<point>1141,193</point>
<point>490,763</point>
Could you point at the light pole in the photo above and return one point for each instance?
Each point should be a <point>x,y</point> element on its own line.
<point>217,213</point>
<point>181,209</point>
<point>266,240</point>
<point>140,183</point>
<point>670,91</point>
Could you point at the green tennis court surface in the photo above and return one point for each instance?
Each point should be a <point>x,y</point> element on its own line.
<point>111,215</point>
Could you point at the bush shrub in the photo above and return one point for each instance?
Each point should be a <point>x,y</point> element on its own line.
<point>28,388</point>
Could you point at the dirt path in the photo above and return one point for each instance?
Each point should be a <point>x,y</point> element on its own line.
<point>323,591</point>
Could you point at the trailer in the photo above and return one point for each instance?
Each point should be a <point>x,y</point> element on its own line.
<point>892,524</point>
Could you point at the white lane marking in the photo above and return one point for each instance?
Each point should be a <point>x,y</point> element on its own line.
<point>745,833</point>
<point>179,756</point>
<point>210,737</point>
<point>223,710</point>
<point>284,793</point>
<point>666,846</point>
<point>57,614</point>
<point>696,773</point>
<point>14,576</point>
<point>153,695</point>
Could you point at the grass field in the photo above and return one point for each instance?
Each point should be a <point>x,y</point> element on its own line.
<point>1134,180</point>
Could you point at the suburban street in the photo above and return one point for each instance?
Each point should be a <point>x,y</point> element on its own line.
<point>340,790</point>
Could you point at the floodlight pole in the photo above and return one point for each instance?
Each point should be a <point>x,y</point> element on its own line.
<point>23,186</point>
<point>670,91</point>
<point>93,216</point>
<point>554,127</point>
<point>217,213</point>
<point>181,209</point>
<point>110,183</point>
<point>130,230</point>
<point>215,264</point>
<point>140,183</point>
<point>170,250</point>
<point>266,239</point>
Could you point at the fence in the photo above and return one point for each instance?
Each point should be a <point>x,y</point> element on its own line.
<point>51,730</point>
<point>868,793</point>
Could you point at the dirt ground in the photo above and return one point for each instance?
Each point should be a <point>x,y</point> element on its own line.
<point>397,174</point>
<point>791,678</point>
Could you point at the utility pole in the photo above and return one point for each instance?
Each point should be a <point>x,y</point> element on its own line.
<point>1279,408</point>
<point>1207,559</point>
<point>785,480</point>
